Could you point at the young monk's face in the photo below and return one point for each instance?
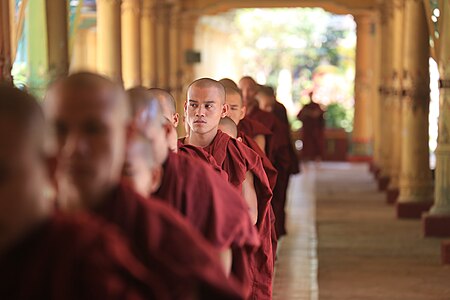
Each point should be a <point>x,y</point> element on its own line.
<point>249,90</point>
<point>265,102</point>
<point>204,109</point>
<point>22,174</point>
<point>136,169</point>
<point>90,133</point>
<point>236,109</point>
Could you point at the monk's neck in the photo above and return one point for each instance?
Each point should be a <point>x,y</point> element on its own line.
<point>202,140</point>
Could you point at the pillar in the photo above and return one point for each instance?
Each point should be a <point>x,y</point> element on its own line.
<point>394,99</point>
<point>375,108</point>
<point>57,38</point>
<point>109,39</point>
<point>384,115</point>
<point>416,187</point>
<point>175,84</point>
<point>362,128</point>
<point>437,222</point>
<point>148,48</point>
<point>162,44</point>
<point>188,22</point>
<point>5,42</point>
<point>131,43</point>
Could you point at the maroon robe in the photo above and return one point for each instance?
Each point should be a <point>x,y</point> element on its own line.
<point>165,242</point>
<point>211,205</point>
<point>312,131</point>
<point>281,159</point>
<point>271,173</point>
<point>253,128</point>
<point>280,112</point>
<point>237,159</point>
<point>69,257</point>
<point>198,152</point>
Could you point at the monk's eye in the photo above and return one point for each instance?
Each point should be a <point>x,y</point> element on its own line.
<point>60,129</point>
<point>93,128</point>
<point>193,105</point>
<point>208,106</point>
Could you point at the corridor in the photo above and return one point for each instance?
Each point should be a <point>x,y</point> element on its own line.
<point>361,251</point>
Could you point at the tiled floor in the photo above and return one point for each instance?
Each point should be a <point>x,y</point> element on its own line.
<point>296,267</point>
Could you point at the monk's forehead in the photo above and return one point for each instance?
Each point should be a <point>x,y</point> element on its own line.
<point>209,93</point>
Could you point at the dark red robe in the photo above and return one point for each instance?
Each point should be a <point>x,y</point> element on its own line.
<point>281,159</point>
<point>280,112</point>
<point>253,128</point>
<point>271,173</point>
<point>198,152</point>
<point>165,242</point>
<point>237,159</point>
<point>75,258</point>
<point>312,131</point>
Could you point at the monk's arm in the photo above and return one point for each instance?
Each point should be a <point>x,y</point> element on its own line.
<point>249,193</point>
<point>261,141</point>
<point>226,259</point>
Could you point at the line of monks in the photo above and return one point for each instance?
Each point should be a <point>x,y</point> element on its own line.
<point>100,199</point>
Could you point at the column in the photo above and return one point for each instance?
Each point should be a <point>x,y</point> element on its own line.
<point>109,52</point>
<point>148,49</point>
<point>385,116</point>
<point>162,43</point>
<point>57,38</point>
<point>175,84</point>
<point>188,22</point>
<point>437,222</point>
<point>5,42</point>
<point>394,100</point>
<point>131,45</point>
<point>375,108</point>
<point>362,128</point>
<point>416,187</point>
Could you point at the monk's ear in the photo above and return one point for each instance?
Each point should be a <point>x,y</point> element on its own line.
<point>185,107</point>
<point>176,119</point>
<point>225,110</point>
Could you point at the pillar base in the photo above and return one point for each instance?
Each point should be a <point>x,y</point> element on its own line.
<point>445,252</point>
<point>436,225</point>
<point>383,183</point>
<point>412,210</point>
<point>392,196</point>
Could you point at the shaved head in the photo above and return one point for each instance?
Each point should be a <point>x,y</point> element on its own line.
<point>228,126</point>
<point>166,100</point>
<point>228,83</point>
<point>210,84</point>
<point>249,89</point>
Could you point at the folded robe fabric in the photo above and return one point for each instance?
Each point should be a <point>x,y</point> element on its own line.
<point>165,242</point>
<point>69,257</point>
<point>237,159</point>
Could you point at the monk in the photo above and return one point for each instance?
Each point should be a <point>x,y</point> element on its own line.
<point>91,122</point>
<point>49,255</point>
<point>278,151</point>
<point>268,102</point>
<point>222,215</point>
<point>204,108</point>
<point>260,134</point>
<point>313,130</point>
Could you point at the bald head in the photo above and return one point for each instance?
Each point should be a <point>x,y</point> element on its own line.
<point>211,85</point>
<point>146,109</point>
<point>228,126</point>
<point>168,104</point>
<point>228,83</point>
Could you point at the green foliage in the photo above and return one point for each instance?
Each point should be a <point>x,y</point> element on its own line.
<point>338,116</point>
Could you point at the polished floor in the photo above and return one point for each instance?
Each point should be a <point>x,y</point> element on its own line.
<point>344,242</point>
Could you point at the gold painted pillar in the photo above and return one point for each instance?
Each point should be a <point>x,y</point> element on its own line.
<point>362,128</point>
<point>148,47</point>
<point>57,38</point>
<point>109,52</point>
<point>174,87</point>
<point>162,44</point>
<point>5,42</point>
<point>394,99</point>
<point>385,115</point>
<point>131,43</point>
<point>416,187</point>
<point>437,222</point>
<point>375,107</point>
